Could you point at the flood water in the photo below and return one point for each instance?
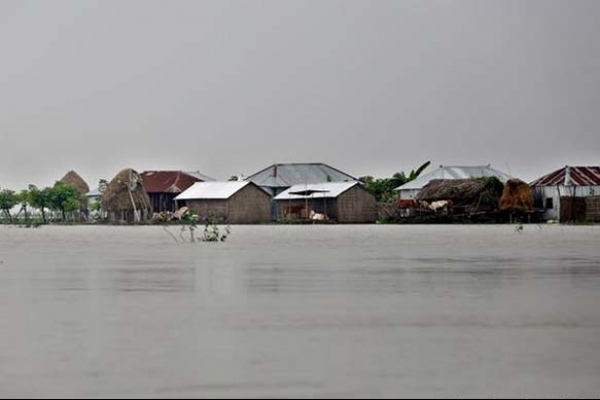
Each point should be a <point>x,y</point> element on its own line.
<point>313,311</point>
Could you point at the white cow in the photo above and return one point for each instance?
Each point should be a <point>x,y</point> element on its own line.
<point>318,217</point>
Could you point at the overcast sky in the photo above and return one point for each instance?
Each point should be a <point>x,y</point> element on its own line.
<point>229,87</point>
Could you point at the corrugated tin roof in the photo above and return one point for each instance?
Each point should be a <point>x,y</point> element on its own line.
<point>319,191</point>
<point>455,172</point>
<point>201,176</point>
<point>571,176</point>
<point>168,181</point>
<point>94,193</point>
<point>287,175</point>
<point>212,190</point>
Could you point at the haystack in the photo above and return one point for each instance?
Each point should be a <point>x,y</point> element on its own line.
<point>74,179</point>
<point>517,197</point>
<point>473,195</point>
<point>126,200</point>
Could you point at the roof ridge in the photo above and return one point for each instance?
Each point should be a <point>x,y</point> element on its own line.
<point>467,166</point>
<point>320,165</point>
<point>573,176</point>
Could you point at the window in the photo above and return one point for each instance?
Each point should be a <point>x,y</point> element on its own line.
<point>549,204</point>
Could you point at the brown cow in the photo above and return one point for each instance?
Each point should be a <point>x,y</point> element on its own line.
<point>404,204</point>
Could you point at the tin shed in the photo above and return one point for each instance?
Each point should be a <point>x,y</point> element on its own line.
<point>229,202</point>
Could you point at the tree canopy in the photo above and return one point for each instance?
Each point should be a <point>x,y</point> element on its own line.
<point>8,201</point>
<point>384,188</point>
<point>65,199</point>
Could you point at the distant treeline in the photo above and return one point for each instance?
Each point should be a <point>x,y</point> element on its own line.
<point>61,201</point>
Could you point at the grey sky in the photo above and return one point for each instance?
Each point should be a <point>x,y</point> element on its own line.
<point>229,87</point>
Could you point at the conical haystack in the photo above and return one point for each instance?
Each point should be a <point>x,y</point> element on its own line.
<point>74,179</point>
<point>517,197</point>
<point>126,200</point>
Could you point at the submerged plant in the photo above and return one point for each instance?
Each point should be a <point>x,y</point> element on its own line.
<point>520,228</point>
<point>189,225</point>
<point>212,233</point>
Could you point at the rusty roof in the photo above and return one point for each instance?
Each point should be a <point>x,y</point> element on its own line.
<point>571,176</point>
<point>168,181</point>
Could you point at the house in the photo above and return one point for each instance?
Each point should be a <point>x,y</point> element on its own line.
<point>411,190</point>
<point>279,177</point>
<point>344,202</point>
<point>570,194</point>
<point>164,186</point>
<point>94,197</point>
<point>229,202</point>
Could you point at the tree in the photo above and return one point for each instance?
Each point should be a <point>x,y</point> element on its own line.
<point>64,199</point>
<point>22,198</point>
<point>8,201</point>
<point>40,199</point>
<point>384,189</point>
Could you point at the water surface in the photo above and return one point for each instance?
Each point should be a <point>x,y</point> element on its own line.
<point>313,311</point>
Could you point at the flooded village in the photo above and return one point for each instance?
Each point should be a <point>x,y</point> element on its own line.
<point>290,199</point>
<point>313,193</point>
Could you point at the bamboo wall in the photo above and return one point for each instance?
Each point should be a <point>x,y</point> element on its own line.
<point>356,206</point>
<point>251,205</point>
<point>572,209</point>
<point>593,209</point>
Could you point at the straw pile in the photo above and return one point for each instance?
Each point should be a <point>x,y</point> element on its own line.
<point>125,198</point>
<point>74,179</point>
<point>473,195</point>
<point>516,197</point>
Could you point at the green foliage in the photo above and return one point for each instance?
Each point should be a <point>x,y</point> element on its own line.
<point>64,199</point>
<point>454,190</point>
<point>8,201</point>
<point>212,231</point>
<point>39,199</point>
<point>384,189</point>
<point>189,225</point>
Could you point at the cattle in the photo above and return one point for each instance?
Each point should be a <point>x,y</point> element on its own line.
<point>404,204</point>
<point>444,205</point>
<point>318,217</point>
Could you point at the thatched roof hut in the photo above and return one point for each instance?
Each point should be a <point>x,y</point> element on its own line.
<point>517,197</point>
<point>126,200</point>
<point>74,179</point>
<point>471,195</point>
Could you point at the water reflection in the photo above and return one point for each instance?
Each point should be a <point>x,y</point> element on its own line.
<point>301,312</point>
<point>60,280</point>
<point>143,279</point>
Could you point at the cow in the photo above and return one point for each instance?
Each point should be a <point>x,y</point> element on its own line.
<point>404,204</point>
<point>444,205</point>
<point>314,216</point>
<point>407,207</point>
